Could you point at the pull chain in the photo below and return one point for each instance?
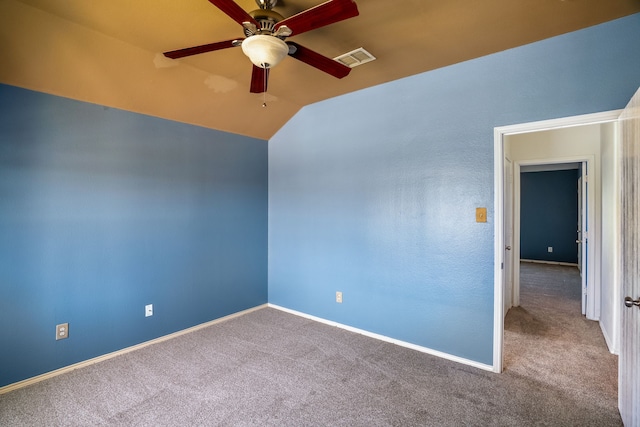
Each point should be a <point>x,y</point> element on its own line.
<point>264,93</point>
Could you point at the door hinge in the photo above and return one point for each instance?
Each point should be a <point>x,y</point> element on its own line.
<point>502,266</point>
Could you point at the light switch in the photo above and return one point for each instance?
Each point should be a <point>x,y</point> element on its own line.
<point>481,214</point>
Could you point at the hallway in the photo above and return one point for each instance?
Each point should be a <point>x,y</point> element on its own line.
<point>548,339</point>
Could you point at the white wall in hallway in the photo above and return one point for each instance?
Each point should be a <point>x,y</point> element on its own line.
<point>609,279</point>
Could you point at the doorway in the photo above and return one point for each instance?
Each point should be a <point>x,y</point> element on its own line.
<point>550,223</point>
<point>587,233</point>
<point>529,153</point>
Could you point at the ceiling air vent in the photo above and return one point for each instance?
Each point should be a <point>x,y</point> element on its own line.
<point>355,58</point>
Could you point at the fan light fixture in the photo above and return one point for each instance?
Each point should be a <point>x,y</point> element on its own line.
<point>265,51</point>
<point>265,31</point>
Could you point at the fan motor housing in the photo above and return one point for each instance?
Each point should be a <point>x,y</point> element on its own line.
<point>266,18</point>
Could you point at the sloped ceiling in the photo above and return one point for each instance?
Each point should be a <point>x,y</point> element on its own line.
<point>108,52</point>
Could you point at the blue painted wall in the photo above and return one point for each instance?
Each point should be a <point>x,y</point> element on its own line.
<point>103,211</point>
<point>374,193</point>
<point>549,215</point>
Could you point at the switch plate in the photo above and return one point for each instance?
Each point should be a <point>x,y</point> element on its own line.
<point>339,297</point>
<point>481,214</point>
<point>148,310</point>
<point>550,249</point>
<point>62,331</point>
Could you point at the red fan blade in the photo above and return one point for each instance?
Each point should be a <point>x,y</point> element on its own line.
<point>319,16</point>
<point>181,53</point>
<point>318,61</point>
<point>259,78</point>
<point>234,11</point>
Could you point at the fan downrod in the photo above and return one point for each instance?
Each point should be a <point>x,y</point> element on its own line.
<point>266,4</point>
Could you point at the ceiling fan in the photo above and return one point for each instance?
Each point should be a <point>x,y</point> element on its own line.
<point>265,32</point>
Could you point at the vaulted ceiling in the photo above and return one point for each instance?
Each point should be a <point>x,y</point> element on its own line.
<point>108,52</point>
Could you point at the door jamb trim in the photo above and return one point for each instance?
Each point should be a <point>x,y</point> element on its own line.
<point>498,150</point>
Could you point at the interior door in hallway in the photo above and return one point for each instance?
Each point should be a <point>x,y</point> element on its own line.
<point>508,235</point>
<point>582,234</point>
<point>629,362</point>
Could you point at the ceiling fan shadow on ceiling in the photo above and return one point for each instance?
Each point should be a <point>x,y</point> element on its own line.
<point>265,33</point>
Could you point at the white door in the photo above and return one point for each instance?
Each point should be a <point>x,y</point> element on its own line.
<point>629,362</point>
<point>582,235</point>
<point>579,234</point>
<point>508,235</point>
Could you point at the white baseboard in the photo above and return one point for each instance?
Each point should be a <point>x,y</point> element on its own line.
<point>388,339</point>
<point>610,346</point>
<point>537,261</point>
<point>24,383</point>
<point>47,375</point>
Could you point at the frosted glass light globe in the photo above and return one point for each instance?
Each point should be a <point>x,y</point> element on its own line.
<point>265,51</point>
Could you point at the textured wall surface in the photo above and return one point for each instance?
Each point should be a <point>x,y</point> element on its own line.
<point>104,211</point>
<point>374,193</point>
<point>549,215</point>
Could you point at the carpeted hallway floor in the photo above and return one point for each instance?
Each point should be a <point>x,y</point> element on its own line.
<point>547,338</point>
<point>273,368</point>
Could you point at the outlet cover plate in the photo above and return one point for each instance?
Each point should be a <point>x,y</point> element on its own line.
<point>62,331</point>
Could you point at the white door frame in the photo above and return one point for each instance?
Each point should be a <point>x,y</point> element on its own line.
<point>498,137</point>
<point>593,290</point>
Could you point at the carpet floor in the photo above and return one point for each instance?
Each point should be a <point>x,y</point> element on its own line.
<point>270,368</point>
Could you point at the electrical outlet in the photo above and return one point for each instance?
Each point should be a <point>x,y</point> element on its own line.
<point>339,297</point>
<point>550,249</point>
<point>148,310</point>
<point>62,331</point>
